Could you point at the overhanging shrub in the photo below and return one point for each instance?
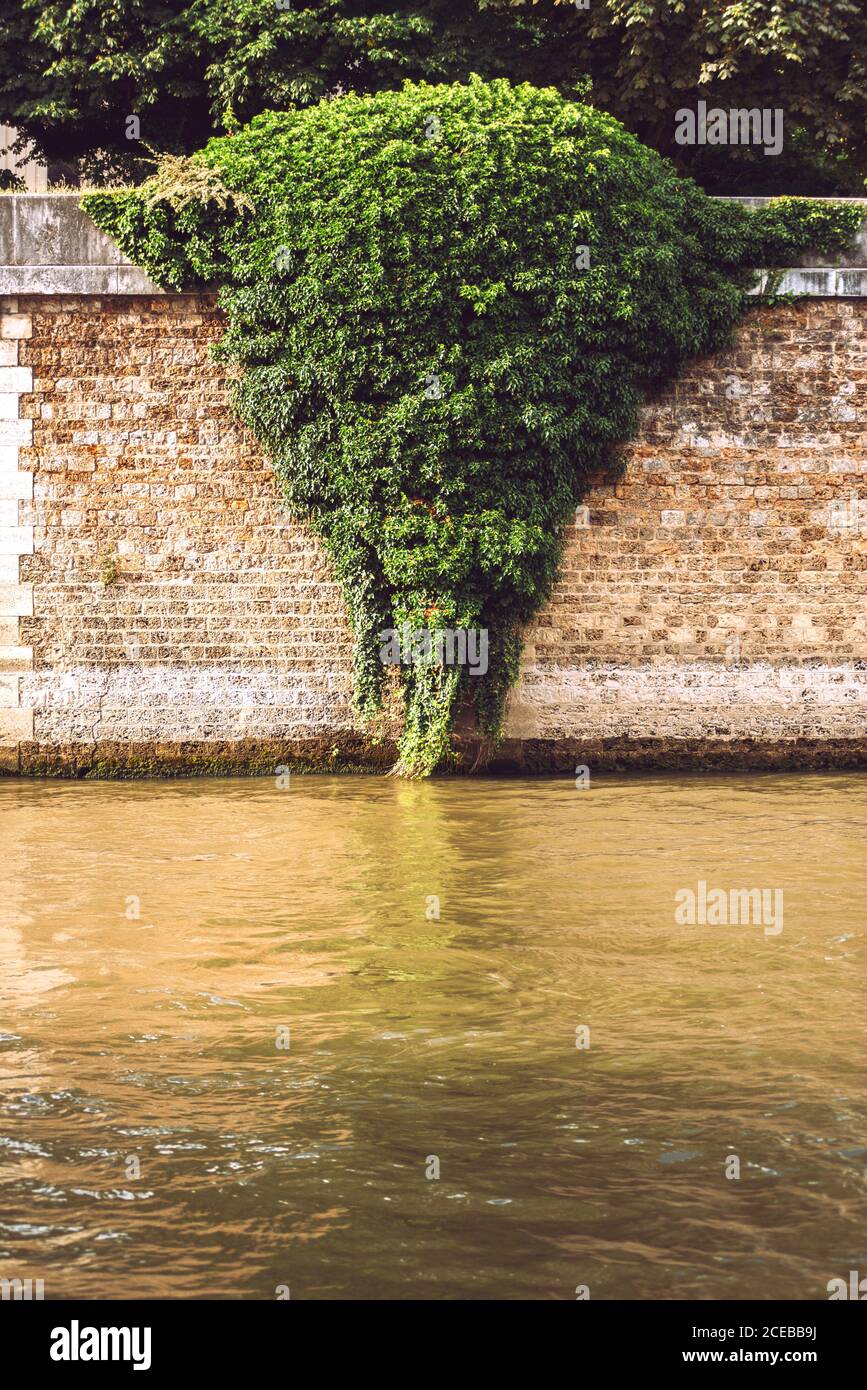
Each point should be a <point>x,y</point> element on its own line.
<point>449,302</point>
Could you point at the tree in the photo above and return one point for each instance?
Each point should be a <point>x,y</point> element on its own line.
<point>647,58</point>
<point>73,71</point>
<point>72,74</point>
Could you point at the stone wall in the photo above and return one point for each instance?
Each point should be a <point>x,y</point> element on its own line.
<point>161,612</point>
<point>720,590</point>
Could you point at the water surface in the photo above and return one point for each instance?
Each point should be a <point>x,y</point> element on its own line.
<point>158,939</point>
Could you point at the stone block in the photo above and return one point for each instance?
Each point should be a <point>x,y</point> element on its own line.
<point>16,326</point>
<point>16,726</point>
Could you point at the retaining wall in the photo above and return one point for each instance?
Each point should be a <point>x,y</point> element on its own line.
<point>159,611</point>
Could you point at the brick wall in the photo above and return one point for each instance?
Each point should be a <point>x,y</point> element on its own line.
<point>720,590</point>
<point>171,616</point>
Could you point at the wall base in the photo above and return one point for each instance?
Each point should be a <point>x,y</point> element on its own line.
<point>342,752</point>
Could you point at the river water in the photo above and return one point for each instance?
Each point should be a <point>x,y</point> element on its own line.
<point>332,1038</point>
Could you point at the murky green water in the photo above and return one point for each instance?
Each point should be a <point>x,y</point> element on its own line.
<point>414,1038</point>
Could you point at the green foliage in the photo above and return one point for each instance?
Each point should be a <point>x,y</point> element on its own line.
<point>428,359</point>
<point>786,226</point>
<point>72,71</point>
<point>110,568</point>
<point>805,57</point>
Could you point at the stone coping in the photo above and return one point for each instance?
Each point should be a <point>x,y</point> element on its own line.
<point>48,246</point>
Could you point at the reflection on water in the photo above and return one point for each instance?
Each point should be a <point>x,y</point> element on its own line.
<point>157,939</point>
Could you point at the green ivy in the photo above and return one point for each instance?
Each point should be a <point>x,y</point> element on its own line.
<point>449,303</point>
<point>784,227</point>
